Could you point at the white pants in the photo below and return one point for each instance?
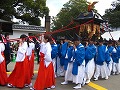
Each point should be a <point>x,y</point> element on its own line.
<point>101,70</point>
<point>60,70</point>
<point>78,79</point>
<point>68,74</point>
<point>54,64</point>
<point>89,69</point>
<point>110,66</point>
<point>116,67</point>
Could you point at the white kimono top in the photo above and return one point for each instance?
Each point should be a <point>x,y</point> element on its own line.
<point>30,48</point>
<point>21,52</point>
<point>46,49</point>
<point>2,48</point>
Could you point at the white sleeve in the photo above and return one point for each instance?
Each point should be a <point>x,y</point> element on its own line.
<point>1,57</point>
<point>21,52</point>
<point>106,49</point>
<point>48,53</point>
<point>33,46</point>
<point>114,50</point>
<point>23,48</point>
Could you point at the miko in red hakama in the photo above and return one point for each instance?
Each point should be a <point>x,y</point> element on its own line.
<point>3,74</point>
<point>20,75</point>
<point>46,77</point>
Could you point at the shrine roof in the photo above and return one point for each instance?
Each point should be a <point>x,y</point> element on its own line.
<point>86,16</point>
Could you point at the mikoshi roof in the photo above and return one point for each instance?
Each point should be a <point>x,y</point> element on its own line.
<point>86,16</point>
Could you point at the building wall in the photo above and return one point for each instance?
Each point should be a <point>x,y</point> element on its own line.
<point>18,30</point>
<point>16,34</point>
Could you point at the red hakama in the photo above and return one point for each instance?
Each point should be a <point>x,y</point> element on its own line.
<point>3,74</point>
<point>45,76</point>
<point>20,75</point>
<point>32,65</point>
<point>50,76</point>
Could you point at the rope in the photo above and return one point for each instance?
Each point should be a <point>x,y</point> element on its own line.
<point>108,30</point>
<point>56,31</point>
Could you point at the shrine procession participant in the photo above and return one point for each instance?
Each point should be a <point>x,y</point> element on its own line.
<point>7,51</point>
<point>112,53</point>
<point>101,60</point>
<point>78,69</point>
<point>46,76</point>
<point>116,61</point>
<point>30,55</point>
<point>63,61</point>
<point>3,74</point>
<point>90,53</point>
<point>20,76</point>
<point>58,66</point>
<point>37,49</point>
<point>68,74</point>
<point>54,53</point>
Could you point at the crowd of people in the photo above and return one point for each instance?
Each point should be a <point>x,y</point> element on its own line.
<point>77,61</point>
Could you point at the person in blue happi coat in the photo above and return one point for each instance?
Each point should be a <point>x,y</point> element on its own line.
<point>90,53</point>
<point>54,53</point>
<point>58,66</point>
<point>112,53</point>
<point>78,69</point>
<point>116,59</point>
<point>101,60</point>
<point>64,47</point>
<point>69,61</point>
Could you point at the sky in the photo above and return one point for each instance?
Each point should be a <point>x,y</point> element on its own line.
<point>55,6</point>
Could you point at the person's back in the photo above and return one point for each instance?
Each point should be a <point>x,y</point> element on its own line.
<point>3,74</point>
<point>102,60</point>
<point>7,50</point>
<point>37,50</point>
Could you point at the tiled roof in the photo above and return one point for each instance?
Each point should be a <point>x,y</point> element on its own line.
<point>28,27</point>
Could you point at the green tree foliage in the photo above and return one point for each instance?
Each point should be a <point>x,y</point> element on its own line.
<point>28,11</point>
<point>69,11</point>
<point>113,14</point>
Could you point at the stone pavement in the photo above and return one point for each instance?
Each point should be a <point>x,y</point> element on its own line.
<point>113,83</point>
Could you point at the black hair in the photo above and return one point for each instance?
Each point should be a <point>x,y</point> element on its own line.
<point>58,42</point>
<point>101,39</point>
<point>23,36</point>
<point>28,41</point>
<point>6,34</point>
<point>119,39</point>
<point>48,37</point>
<point>1,38</point>
<point>34,39</point>
<point>110,41</point>
<point>26,38</point>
